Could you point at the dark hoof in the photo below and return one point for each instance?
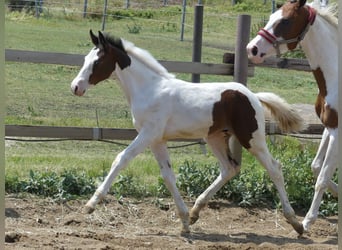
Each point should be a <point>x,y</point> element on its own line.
<point>193,219</point>
<point>88,209</point>
<point>299,228</point>
<point>185,233</point>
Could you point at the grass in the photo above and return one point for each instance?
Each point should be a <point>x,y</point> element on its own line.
<point>40,94</point>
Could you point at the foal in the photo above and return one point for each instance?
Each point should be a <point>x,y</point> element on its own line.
<point>164,107</point>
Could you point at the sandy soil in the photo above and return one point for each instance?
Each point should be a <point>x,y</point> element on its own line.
<point>33,223</point>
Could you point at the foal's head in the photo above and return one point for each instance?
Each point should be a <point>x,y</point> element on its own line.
<point>100,62</point>
<point>285,29</point>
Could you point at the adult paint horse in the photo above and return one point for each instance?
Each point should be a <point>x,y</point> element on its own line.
<point>316,31</point>
<point>164,107</point>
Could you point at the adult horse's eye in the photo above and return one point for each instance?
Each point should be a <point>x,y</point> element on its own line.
<point>97,62</point>
<point>285,21</point>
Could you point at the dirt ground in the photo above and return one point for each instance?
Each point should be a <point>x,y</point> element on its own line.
<point>33,223</point>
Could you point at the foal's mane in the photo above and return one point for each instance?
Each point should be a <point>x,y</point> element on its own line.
<point>142,55</point>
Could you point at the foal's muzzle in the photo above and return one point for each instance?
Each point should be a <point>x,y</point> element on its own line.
<point>76,89</point>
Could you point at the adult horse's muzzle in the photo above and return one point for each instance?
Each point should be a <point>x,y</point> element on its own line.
<point>254,52</point>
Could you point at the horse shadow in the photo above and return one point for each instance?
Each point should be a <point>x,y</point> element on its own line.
<point>11,213</point>
<point>244,238</point>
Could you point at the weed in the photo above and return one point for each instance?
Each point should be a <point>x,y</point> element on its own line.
<point>135,29</point>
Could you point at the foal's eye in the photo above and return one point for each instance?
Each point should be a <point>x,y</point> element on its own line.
<point>96,63</point>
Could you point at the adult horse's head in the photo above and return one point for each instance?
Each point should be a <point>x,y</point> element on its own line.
<point>100,62</point>
<point>285,29</point>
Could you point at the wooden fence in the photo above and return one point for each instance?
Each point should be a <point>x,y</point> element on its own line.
<point>84,133</point>
<point>77,60</point>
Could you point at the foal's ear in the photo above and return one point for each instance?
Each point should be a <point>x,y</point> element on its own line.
<point>94,39</point>
<point>102,41</point>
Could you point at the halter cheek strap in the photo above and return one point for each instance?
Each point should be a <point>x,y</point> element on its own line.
<point>276,43</point>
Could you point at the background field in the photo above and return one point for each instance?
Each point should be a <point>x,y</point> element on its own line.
<point>40,94</point>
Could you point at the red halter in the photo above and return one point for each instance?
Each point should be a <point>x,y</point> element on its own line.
<point>275,42</point>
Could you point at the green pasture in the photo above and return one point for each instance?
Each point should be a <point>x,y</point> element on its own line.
<point>39,94</point>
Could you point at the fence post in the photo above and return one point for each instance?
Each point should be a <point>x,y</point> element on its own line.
<point>240,69</point>
<point>183,20</point>
<point>273,6</point>
<point>104,15</point>
<point>85,8</point>
<point>197,39</point>
<point>37,8</point>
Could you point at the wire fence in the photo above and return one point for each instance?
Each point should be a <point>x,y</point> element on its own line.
<point>178,15</point>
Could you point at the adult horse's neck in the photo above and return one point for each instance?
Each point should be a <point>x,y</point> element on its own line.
<point>320,45</point>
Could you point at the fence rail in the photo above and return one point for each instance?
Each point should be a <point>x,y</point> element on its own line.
<point>77,60</point>
<point>87,133</point>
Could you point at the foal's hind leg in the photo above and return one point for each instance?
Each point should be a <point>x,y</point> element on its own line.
<point>274,170</point>
<point>228,169</point>
<point>161,154</point>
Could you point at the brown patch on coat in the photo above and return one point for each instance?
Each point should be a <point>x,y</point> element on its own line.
<point>293,23</point>
<point>234,114</point>
<point>111,52</point>
<point>326,114</point>
<point>103,67</point>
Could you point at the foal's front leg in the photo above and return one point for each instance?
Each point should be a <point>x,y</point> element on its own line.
<point>161,153</point>
<point>324,178</point>
<point>319,160</point>
<point>136,147</point>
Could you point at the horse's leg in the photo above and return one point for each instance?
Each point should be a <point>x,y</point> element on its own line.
<point>318,161</point>
<point>161,154</point>
<point>274,170</point>
<point>228,169</point>
<point>137,146</point>
<point>324,178</point>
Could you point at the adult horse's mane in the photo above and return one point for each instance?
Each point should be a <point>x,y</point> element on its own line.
<point>142,55</point>
<point>328,13</point>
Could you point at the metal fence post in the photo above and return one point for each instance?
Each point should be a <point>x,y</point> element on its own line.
<point>104,15</point>
<point>183,20</point>
<point>85,8</point>
<point>37,8</point>
<point>240,69</point>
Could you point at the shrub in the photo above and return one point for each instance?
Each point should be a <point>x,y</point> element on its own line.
<point>19,5</point>
<point>252,187</point>
<point>67,185</point>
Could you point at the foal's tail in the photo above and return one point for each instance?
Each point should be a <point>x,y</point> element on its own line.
<point>288,118</point>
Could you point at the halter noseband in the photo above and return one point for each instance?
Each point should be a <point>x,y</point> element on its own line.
<point>276,43</point>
